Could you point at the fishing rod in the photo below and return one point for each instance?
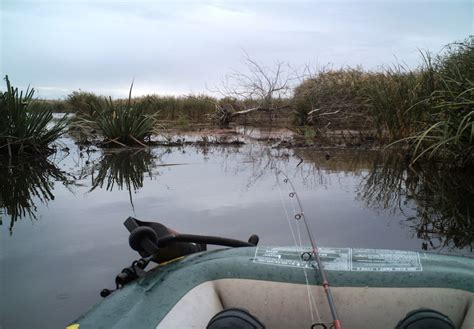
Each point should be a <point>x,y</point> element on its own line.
<point>336,323</point>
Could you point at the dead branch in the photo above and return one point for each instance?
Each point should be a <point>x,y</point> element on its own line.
<point>259,89</point>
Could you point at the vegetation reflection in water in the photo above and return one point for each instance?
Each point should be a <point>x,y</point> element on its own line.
<point>436,202</point>
<point>445,209</point>
<point>24,182</point>
<point>440,198</point>
<point>124,169</point>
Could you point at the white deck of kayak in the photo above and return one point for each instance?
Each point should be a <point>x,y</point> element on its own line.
<point>286,305</point>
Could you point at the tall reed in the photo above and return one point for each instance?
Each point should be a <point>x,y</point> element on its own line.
<point>392,97</point>
<point>448,130</point>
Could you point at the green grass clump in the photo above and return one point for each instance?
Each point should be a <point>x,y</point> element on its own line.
<point>121,123</point>
<point>22,130</point>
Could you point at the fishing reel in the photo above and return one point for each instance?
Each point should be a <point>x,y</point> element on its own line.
<point>157,243</point>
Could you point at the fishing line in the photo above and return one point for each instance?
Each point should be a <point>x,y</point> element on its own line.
<point>301,248</point>
<point>296,245</point>
<point>287,216</point>
<point>336,324</point>
<point>311,300</point>
<point>310,293</point>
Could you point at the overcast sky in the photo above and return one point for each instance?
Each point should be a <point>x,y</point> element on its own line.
<point>182,47</point>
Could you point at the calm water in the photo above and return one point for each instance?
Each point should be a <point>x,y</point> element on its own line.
<point>62,238</point>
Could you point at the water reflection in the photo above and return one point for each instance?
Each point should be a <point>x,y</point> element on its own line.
<point>444,208</point>
<point>125,169</point>
<point>386,185</point>
<point>441,198</point>
<point>357,198</point>
<point>436,202</point>
<point>23,182</point>
<point>256,161</point>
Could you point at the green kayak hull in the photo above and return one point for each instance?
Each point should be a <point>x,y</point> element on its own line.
<point>264,279</point>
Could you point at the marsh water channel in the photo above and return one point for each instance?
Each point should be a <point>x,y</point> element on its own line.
<point>62,234</point>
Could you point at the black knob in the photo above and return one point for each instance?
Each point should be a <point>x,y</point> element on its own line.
<point>141,234</point>
<point>254,239</point>
<point>105,292</point>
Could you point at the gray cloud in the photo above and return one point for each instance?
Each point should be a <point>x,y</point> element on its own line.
<point>177,47</point>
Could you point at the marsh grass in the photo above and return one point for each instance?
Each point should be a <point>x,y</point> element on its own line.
<point>357,99</point>
<point>51,105</point>
<point>195,108</point>
<point>84,103</point>
<point>22,130</point>
<point>451,138</point>
<point>430,108</point>
<point>121,123</point>
<point>448,130</point>
<point>171,108</point>
<point>332,96</point>
<point>392,97</point>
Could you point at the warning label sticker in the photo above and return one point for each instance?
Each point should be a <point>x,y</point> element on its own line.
<point>385,260</point>
<point>333,258</point>
<point>341,259</point>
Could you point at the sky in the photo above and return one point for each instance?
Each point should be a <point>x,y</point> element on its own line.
<point>187,47</point>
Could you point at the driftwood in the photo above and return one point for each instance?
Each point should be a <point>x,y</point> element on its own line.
<point>225,114</point>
